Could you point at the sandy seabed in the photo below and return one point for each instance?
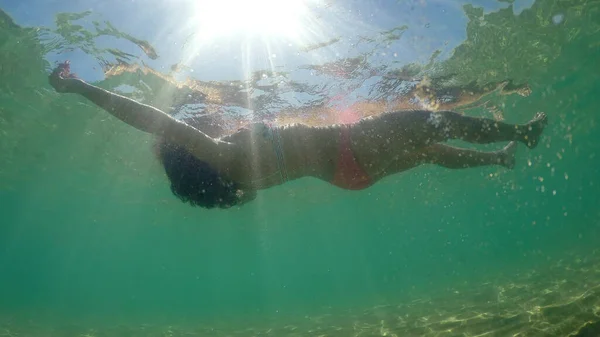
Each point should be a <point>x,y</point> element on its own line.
<point>562,299</point>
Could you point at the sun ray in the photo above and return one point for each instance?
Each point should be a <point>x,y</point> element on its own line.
<point>269,18</point>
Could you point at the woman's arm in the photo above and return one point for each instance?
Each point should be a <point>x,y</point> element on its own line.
<point>141,116</point>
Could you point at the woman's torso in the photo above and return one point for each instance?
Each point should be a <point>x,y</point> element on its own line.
<point>267,156</point>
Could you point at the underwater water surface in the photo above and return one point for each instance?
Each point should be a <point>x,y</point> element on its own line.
<point>93,243</point>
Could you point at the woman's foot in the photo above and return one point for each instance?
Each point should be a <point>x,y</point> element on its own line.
<point>507,155</point>
<point>534,130</point>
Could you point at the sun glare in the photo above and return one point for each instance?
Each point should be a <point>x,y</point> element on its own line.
<point>268,18</point>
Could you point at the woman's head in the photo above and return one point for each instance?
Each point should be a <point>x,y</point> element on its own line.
<point>196,182</point>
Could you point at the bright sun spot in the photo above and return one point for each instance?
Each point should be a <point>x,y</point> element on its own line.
<point>268,18</point>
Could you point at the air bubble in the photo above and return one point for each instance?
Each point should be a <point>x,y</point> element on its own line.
<point>558,18</point>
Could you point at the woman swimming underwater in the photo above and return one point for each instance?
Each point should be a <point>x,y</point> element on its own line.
<point>224,172</point>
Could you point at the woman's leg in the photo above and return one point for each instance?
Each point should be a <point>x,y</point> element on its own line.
<point>450,157</point>
<point>457,158</point>
<point>415,129</point>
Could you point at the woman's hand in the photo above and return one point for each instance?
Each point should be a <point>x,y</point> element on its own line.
<point>62,80</point>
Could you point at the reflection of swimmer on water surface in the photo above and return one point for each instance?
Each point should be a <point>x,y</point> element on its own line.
<point>211,172</point>
<point>464,96</point>
<point>425,93</point>
<point>418,95</point>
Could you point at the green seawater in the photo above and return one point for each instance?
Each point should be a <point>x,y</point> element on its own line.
<point>93,243</point>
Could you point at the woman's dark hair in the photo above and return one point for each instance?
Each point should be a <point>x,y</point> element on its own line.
<point>195,181</point>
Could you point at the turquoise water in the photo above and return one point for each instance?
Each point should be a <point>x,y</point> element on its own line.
<point>93,242</point>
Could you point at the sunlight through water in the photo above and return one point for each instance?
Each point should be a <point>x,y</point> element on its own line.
<point>266,18</point>
<point>97,240</point>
